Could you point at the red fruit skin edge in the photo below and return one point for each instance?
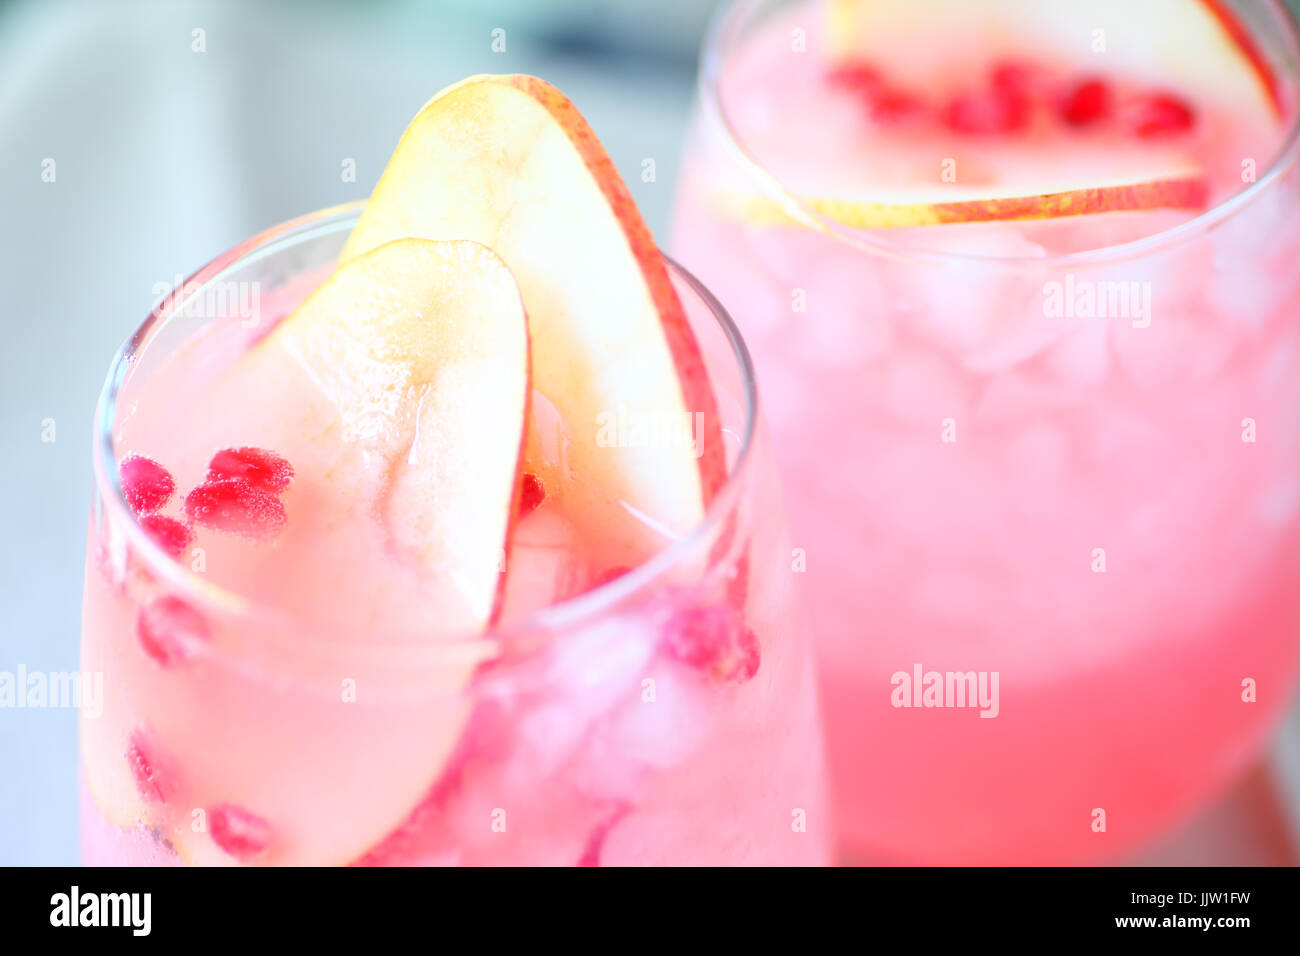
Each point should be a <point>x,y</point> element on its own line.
<point>692,375</point>
<point>1241,36</point>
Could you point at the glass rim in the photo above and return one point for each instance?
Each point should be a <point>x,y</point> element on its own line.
<point>572,611</point>
<point>725,23</point>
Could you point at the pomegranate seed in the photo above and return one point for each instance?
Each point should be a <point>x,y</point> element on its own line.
<point>168,533</point>
<point>241,834</point>
<point>856,77</point>
<point>989,112</point>
<point>1159,114</point>
<point>260,468</point>
<point>532,494</point>
<point>147,778</point>
<point>146,485</point>
<point>171,631</point>
<point>236,506</point>
<point>1016,78</point>
<point>713,640</point>
<point>896,106</point>
<point>1086,102</point>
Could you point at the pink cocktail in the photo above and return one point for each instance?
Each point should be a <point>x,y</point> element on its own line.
<point>1021,283</point>
<point>281,682</point>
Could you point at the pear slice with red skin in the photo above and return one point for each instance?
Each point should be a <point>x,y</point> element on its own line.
<point>408,371</point>
<point>509,162</point>
<point>1184,192</point>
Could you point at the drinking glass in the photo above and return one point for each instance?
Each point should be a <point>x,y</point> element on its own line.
<point>594,731</point>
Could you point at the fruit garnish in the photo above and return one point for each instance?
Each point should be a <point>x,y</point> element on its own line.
<point>1198,46</point>
<point>1019,77</point>
<point>893,107</point>
<point>987,112</point>
<point>509,162</point>
<point>236,506</point>
<point>261,468</point>
<point>148,778</point>
<point>241,834</point>
<point>421,348</point>
<point>171,631</point>
<point>531,494</point>
<point>713,640</point>
<point>1160,114</point>
<point>1185,191</point>
<point>861,79</point>
<point>1085,102</point>
<point>1042,88</point>
<point>407,374</point>
<point>169,534</point>
<point>146,485</point>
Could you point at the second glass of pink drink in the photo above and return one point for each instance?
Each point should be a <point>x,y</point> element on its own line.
<point>408,549</point>
<point>1021,282</point>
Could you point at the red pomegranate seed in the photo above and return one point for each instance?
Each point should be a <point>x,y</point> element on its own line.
<point>532,494</point>
<point>241,834</point>
<point>1015,77</point>
<point>713,640</point>
<point>856,77</point>
<point>171,631</point>
<point>1159,114</point>
<point>236,506</point>
<point>1085,102</point>
<point>147,778</point>
<point>260,468</point>
<point>146,485</point>
<point>168,533</point>
<point>896,106</point>
<point>988,112</point>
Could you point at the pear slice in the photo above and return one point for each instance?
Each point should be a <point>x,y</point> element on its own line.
<point>406,376</point>
<point>422,347</point>
<point>897,210</point>
<point>508,161</point>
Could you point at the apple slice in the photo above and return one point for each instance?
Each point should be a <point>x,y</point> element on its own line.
<point>406,376</point>
<point>423,348</point>
<point>509,162</point>
<point>1188,191</point>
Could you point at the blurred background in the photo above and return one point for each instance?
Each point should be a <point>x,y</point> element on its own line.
<point>143,137</point>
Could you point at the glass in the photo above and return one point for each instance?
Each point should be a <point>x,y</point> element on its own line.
<point>584,735</point>
<point>1101,514</point>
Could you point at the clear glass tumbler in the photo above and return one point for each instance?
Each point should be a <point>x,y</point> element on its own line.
<point>594,732</point>
<point>1086,527</point>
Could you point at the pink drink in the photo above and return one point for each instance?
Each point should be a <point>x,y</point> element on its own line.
<point>273,697</point>
<point>1098,505</point>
